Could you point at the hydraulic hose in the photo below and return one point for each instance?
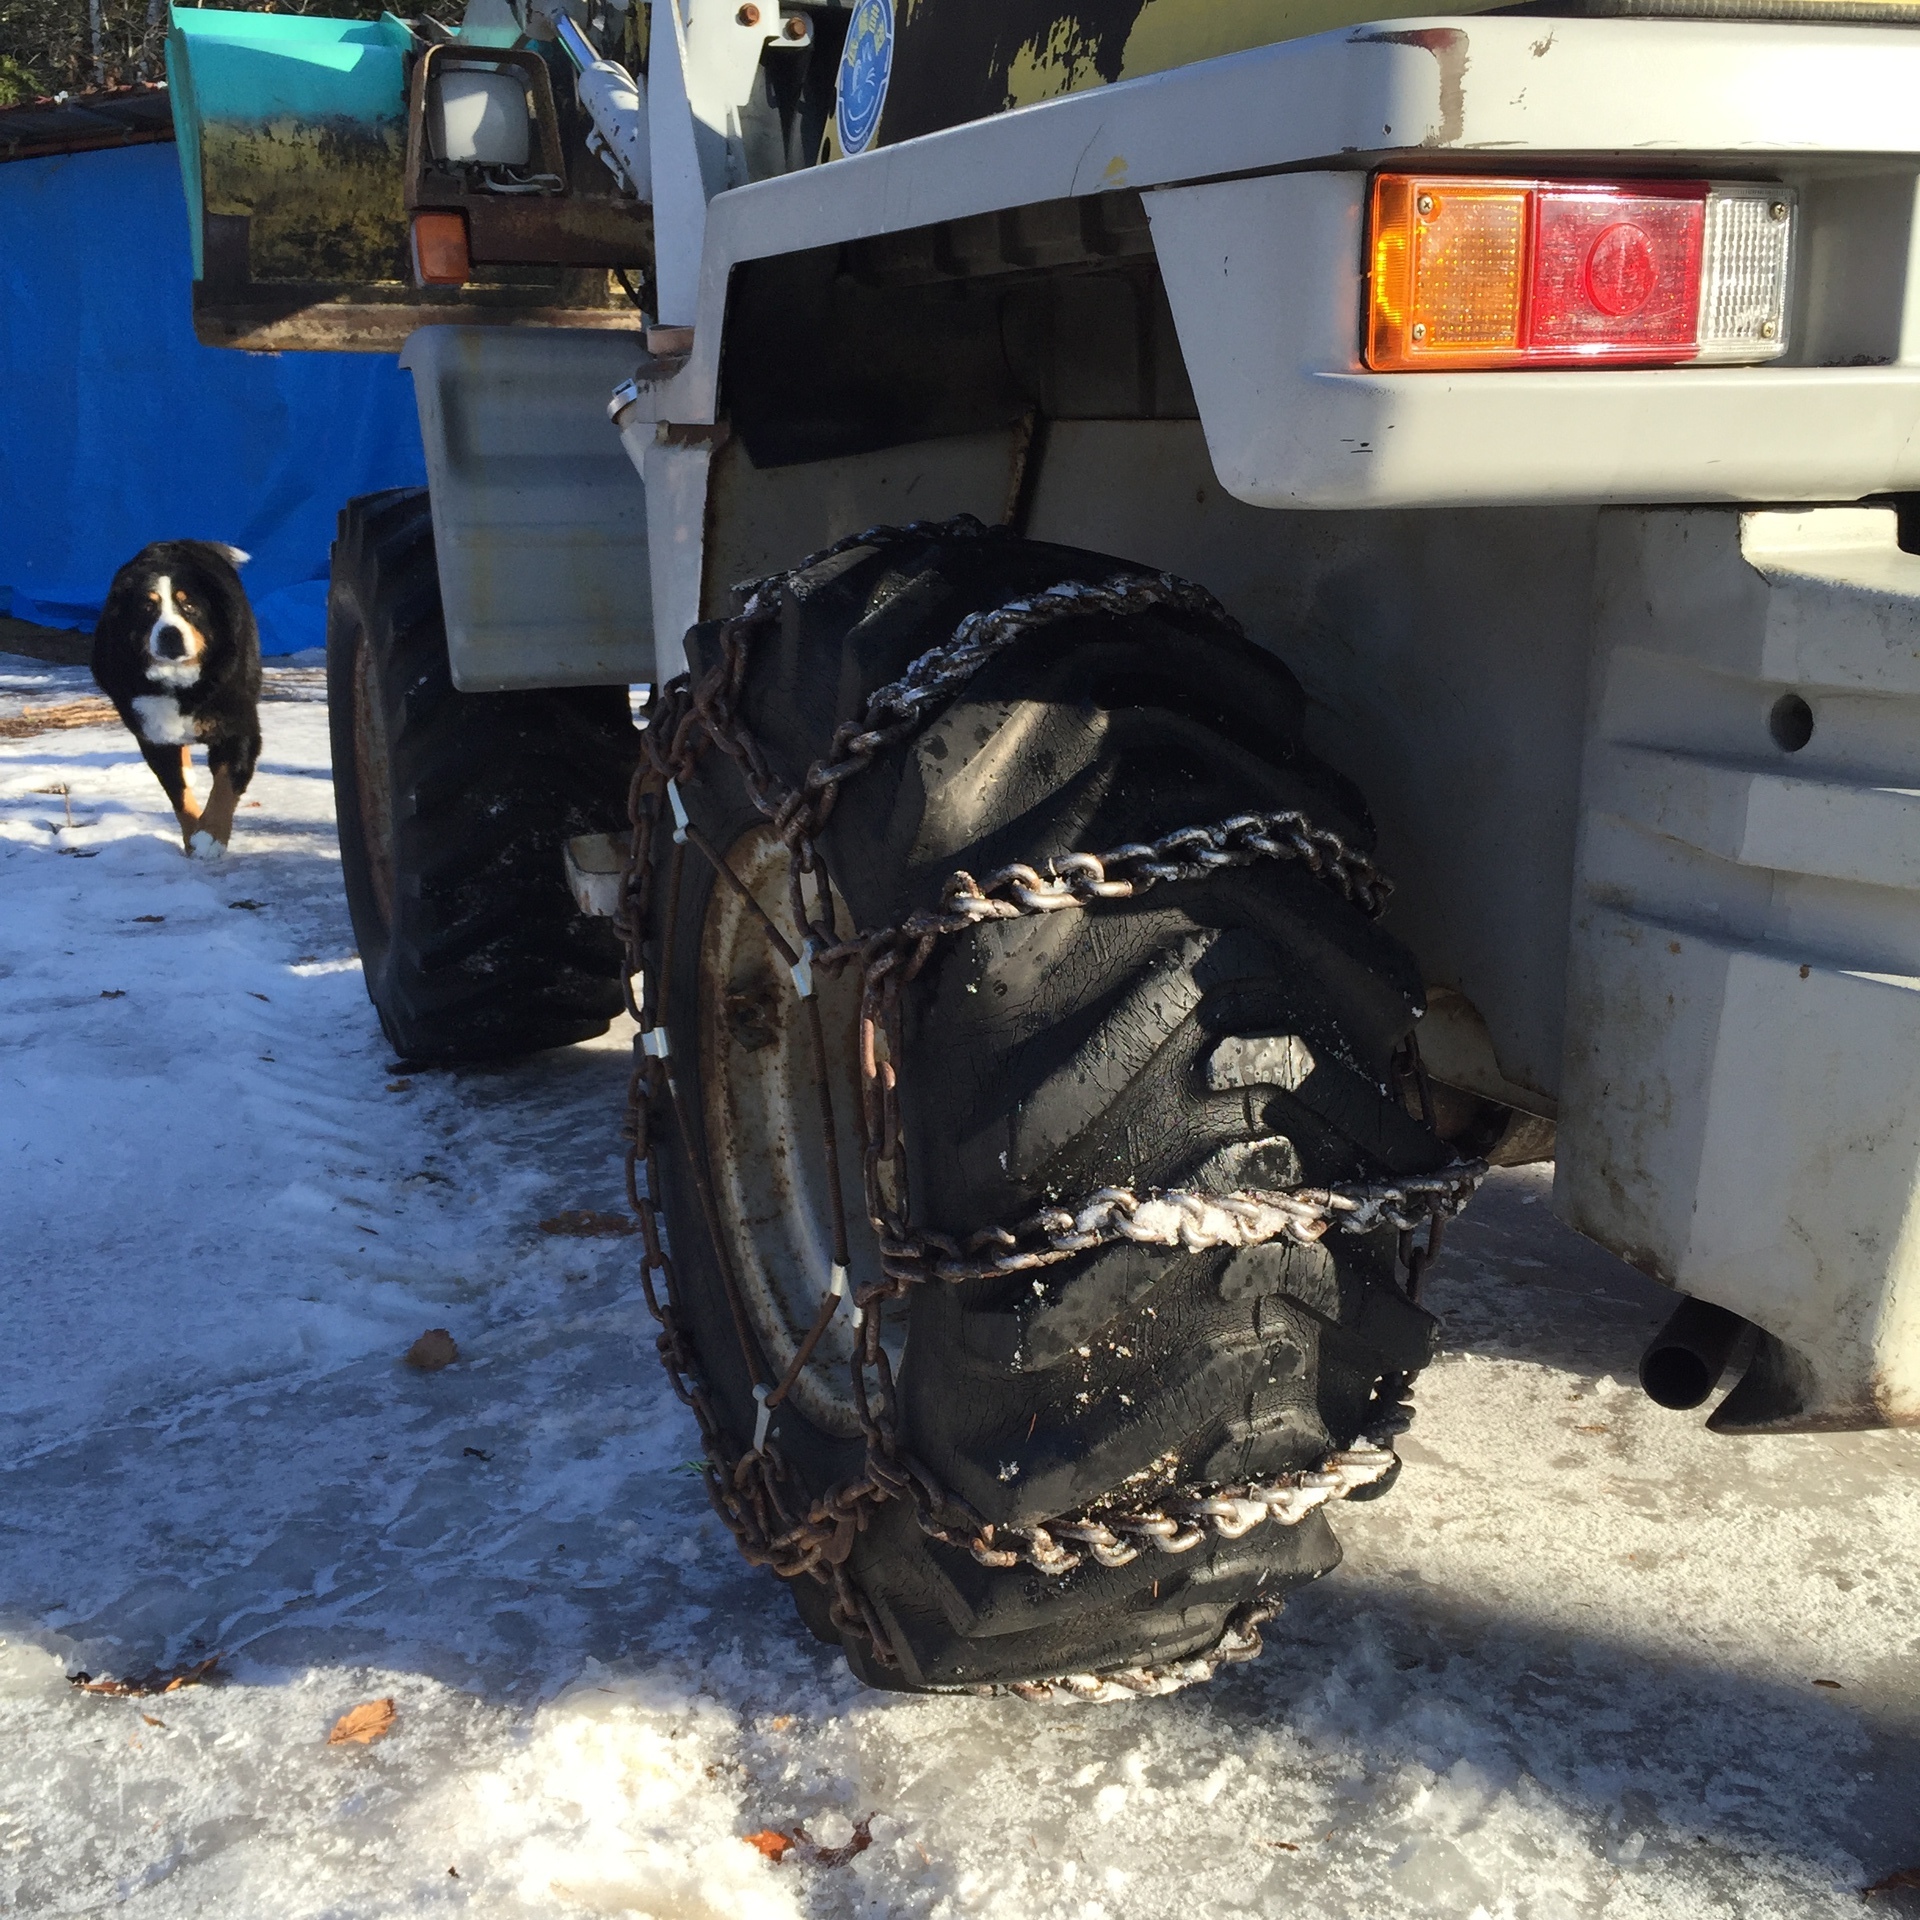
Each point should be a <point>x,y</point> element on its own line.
<point>612,101</point>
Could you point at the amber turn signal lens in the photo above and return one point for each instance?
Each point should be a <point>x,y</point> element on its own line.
<point>1449,264</point>
<point>440,257</point>
<point>1449,271</point>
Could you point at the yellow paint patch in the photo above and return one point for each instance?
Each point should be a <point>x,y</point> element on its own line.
<point>1175,33</point>
<point>1062,63</point>
<point>1168,34</point>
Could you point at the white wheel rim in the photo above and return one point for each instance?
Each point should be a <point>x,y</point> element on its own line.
<point>760,1105</point>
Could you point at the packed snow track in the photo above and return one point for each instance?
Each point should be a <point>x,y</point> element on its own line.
<point>1586,1660</point>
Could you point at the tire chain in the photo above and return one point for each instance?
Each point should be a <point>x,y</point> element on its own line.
<point>753,1492</point>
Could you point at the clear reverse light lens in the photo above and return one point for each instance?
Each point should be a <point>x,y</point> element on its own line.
<point>1744,271</point>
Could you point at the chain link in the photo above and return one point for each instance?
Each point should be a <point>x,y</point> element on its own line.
<point>1176,1217</point>
<point>1115,1535</point>
<point>774,1522</point>
<point>1239,1643</point>
<point>1190,853</point>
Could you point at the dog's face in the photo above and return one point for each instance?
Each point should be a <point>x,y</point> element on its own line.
<point>171,601</point>
<point>176,637</point>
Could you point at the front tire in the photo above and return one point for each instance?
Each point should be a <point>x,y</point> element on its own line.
<point>1235,1032</point>
<point>452,810</point>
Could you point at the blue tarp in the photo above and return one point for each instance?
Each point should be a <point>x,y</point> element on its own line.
<point>117,427</point>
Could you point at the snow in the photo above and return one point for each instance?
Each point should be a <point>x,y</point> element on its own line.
<point>1567,1669</point>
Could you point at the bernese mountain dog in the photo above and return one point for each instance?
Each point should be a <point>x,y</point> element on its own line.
<point>178,653</point>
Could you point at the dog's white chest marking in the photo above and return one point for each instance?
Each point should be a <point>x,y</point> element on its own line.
<point>171,628</point>
<point>161,721</point>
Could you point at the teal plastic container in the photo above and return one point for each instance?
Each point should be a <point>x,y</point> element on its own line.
<point>297,126</point>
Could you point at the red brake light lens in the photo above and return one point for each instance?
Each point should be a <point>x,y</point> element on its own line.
<point>1616,273</point>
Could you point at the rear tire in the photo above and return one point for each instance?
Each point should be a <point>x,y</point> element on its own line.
<point>1045,1058</point>
<point>452,810</point>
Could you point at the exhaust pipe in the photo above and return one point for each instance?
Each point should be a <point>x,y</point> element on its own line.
<point>1683,1363</point>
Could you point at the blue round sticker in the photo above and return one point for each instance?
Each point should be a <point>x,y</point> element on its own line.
<point>866,64</point>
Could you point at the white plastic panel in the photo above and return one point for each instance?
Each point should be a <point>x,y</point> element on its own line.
<point>1264,277</point>
<point>539,519</point>
<point>1269,313</point>
<point>1738,1110</point>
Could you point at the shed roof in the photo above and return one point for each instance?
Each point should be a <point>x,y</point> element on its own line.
<point>82,122</point>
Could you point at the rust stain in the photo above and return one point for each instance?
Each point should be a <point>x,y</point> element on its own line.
<point>1448,45</point>
<point>677,433</point>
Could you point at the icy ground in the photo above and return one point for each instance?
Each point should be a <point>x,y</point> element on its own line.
<point>1570,1668</point>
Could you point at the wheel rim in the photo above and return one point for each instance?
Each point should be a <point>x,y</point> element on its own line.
<point>373,791</point>
<point>761,1100</point>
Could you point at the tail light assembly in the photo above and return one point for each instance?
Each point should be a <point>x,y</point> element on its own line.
<point>1469,272</point>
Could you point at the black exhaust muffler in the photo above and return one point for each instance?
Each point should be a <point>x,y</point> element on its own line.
<point>1685,1359</point>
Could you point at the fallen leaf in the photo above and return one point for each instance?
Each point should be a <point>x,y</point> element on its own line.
<point>781,1722</point>
<point>474,1453</point>
<point>1900,1880</point>
<point>253,803</point>
<point>777,1845</point>
<point>398,1086</point>
<point>148,919</point>
<point>113,993</point>
<point>259,996</point>
<point>153,1720</point>
<point>1285,1846</point>
<point>582,1223</point>
<point>1593,1429</point>
<point>1826,1683</point>
<point>362,1725</point>
<point>837,1856</point>
<point>251,906</point>
<point>454,1872</point>
<point>433,1350</point>
<point>152,1681</point>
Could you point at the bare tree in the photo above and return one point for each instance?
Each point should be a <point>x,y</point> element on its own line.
<point>66,46</point>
